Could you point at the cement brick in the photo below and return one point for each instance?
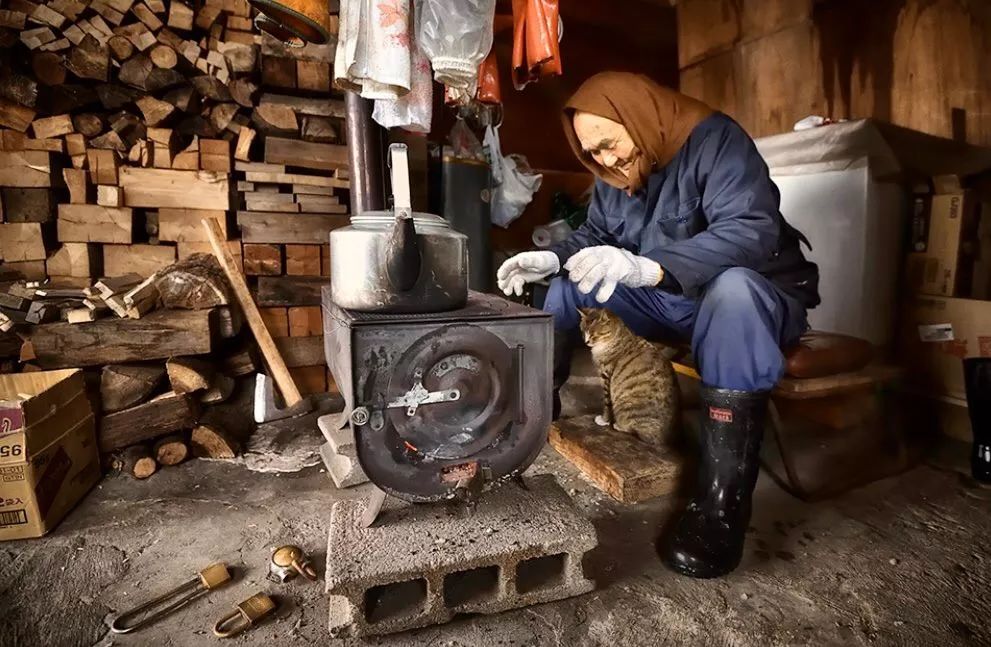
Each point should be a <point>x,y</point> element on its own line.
<point>341,439</point>
<point>425,564</point>
<point>344,470</point>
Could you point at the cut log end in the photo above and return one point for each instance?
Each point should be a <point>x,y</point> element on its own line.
<point>171,449</point>
<point>210,441</point>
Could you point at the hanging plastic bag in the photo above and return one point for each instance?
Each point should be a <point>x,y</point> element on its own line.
<point>464,143</point>
<point>514,183</point>
<point>414,110</point>
<point>456,37</point>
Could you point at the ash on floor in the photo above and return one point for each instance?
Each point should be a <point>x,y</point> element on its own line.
<point>902,562</point>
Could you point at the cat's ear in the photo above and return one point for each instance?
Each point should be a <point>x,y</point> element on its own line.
<point>583,313</point>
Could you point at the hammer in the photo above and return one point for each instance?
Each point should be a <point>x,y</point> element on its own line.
<point>295,404</point>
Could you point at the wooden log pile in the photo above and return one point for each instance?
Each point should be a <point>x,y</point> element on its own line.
<point>167,351</point>
<point>124,123</point>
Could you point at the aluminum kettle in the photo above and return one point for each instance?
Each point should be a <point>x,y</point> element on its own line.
<point>398,261</point>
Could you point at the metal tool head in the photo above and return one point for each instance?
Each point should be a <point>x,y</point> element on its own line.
<point>269,405</point>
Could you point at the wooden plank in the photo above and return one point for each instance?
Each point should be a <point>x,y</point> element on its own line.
<point>183,225</point>
<point>301,351</point>
<point>305,321</point>
<point>147,187</point>
<point>262,259</point>
<point>80,260</point>
<point>281,202</point>
<point>292,152</point>
<point>103,166</point>
<point>22,241</point>
<point>85,223</point>
<point>619,464</point>
<point>290,290</point>
<point>320,204</point>
<point>158,335</point>
<point>120,260</point>
<point>26,168</point>
<point>15,116</point>
<point>278,72</point>
<point>303,260</point>
<point>296,178</point>
<point>706,27</point>
<point>126,385</point>
<point>165,414</point>
<point>321,107</point>
<point>273,227</point>
<point>313,75</point>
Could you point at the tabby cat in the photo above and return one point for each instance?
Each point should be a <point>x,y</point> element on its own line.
<point>640,388</point>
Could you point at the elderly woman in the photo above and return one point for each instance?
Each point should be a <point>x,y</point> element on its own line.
<point>684,240</point>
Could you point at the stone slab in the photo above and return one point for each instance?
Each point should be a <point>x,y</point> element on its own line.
<point>425,564</point>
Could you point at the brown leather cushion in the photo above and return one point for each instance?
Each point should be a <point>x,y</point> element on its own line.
<point>819,354</point>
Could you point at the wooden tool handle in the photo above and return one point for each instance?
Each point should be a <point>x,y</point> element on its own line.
<point>273,360</point>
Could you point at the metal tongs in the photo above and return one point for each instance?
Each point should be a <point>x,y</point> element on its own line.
<point>211,577</point>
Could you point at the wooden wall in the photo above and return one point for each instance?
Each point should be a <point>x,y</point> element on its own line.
<point>768,63</point>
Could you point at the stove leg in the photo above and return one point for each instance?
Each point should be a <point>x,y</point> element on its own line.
<point>373,507</point>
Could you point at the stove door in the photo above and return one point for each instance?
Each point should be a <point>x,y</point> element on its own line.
<point>452,406</point>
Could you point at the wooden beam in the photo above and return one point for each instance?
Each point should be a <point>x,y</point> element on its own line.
<point>22,241</point>
<point>303,260</point>
<point>26,168</point>
<point>274,227</point>
<point>75,259</point>
<point>159,416</point>
<point>292,152</point>
<point>146,187</point>
<point>262,259</point>
<point>183,225</point>
<point>85,223</point>
<point>158,335</point>
<point>119,260</point>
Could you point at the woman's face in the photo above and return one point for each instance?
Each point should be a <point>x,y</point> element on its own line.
<point>607,141</point>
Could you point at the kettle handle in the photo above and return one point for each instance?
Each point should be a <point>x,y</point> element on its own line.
<point>402,263</point>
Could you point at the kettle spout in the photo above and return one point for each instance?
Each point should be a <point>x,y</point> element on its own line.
<point>402,254</point>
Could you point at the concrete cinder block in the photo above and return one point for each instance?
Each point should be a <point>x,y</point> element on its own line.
<point>424,564</point>
<point>341,438</point>
<point>344,470</point>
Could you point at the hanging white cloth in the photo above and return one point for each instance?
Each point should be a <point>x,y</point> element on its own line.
<point>414,110</point>
<point>373,48</point>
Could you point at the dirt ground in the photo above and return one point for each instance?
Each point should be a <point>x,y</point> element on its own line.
<point>904,561</point>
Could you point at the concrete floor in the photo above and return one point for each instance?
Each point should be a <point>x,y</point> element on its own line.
<point>904,561</point>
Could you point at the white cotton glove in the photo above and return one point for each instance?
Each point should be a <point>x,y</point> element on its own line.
<point>525,267</point>
<point>607,266</point>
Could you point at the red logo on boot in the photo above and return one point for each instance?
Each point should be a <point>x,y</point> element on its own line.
<point>720,415</point>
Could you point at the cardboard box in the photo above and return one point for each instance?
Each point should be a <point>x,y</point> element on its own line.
<point>946,266</point>
<point>48,454</point>
<point>936,334</point>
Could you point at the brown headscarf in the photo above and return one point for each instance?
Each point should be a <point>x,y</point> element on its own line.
<point>658,119</point>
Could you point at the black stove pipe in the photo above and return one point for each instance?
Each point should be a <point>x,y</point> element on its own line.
<point>365,157</point>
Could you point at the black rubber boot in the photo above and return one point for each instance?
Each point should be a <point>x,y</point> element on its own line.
<point>708,540</point>
<point>977,377</point>
<point>564,347</point>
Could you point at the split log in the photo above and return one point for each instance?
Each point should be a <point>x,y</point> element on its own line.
<point>278,72</point>
<point>76,181</point>
<point>211,88</point>
<point>139,154</point>
<point>180,16</point>
<point>171,449</point>
<point>319,129</point>
<point>220,389</point>
<point>12,19</point>
<point>111,141</point>
<point>15,116</point>
<point>135,71</point>
<point>154,110</point>
<point>162,78</point>
<point>120,48</point>
<point>126,385</point>
<point>242,91</point>
<point>138,34</point>
<point>244,139</point>
<point>79,260</point>
<point>164,56</point>
<point>48,68</point>
<point>28,204</point>
<point>159,335</point>
<point>189,374</point>
<point>26,169</point>
<point>114,96</point>
<point>195,282</point>
<point>46,15</point>
<point>52,126</point>
<point>212,441</point>
<point>189,157</point>
<point>108,195</point>
<point>170,38</point>
<point>162,415</point>
<point>240,57</point>
<point>274,119</point>
<point>185,99</point>
<point>35,38</point>
<point>88,124</point>
<point>103,166</point>
<point>18,88</point>
<point>89,60</point>
<point>321,107</point>
<point>221,115</point>
<point>22,241</point>
<point>137,461</point>
<point>147,16</point>
<point>164,144</point>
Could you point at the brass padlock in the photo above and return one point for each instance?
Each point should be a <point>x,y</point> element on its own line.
<point>287,562</point>
<point>244,616</point>
<point>211,577</point>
